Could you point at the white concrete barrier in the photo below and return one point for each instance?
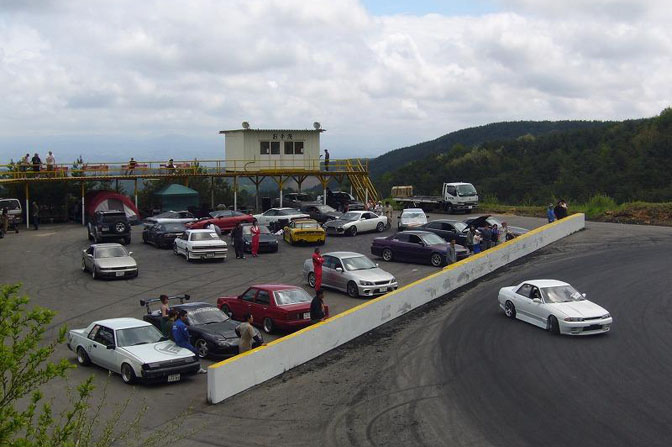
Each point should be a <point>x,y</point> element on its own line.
<point>241,372</point>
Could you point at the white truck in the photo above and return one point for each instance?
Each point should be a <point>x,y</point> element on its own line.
<point>456,196</point>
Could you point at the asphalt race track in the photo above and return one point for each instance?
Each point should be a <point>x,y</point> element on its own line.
<point>460,373</point>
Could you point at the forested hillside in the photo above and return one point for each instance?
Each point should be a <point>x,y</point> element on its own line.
<point>630,160</point>
<point>469,137</point>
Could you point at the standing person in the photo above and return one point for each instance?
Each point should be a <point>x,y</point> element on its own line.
<point>37,162</point>
<point>326,160</point>
<point>317,312</point>
<point>470,238</point>
<point>51,162</point>
<point>560,210</point>
<point>254,229</point>
<point>388,213</point>
<point>504,232</point>
<point>550,214</point>
<point>318,260</point>
<point>170,166</point>
<point>215,228</point>
<point>181,335</point>
<point>477,242</point>
<point>35,214</point>
<point>495,235</point>
<point>486,236</point>
<point>246,332</point>
<point>378,209</point>
<point>165,310</point>
<point>24,163</point>
<point>452,253</point>
<point>4,220</point>
<point>172,317</point>
<point>131,166</point>
<point>238,241</point>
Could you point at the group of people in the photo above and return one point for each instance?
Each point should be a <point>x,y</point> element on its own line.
<point>239,239</point>
<point>6,219</point>
<point>34,163</point>
<point>485,237</point>
<point>558,212</point>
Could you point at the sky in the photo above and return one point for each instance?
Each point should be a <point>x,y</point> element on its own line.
<point>159,78</point>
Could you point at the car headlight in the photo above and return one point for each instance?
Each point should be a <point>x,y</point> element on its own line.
<point>365,283</point>
<point>573,319</point>
<point>221,341</point>
<point>607,315</point>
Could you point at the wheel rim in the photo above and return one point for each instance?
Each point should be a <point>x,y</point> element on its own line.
<point>93,272</point>
<point>120,227</point>
<point>353,231</point>
<point>508,309</point>
<point>387,254</point>
<point>227,311</point>
<point>381,227</point>
<point>352,289</point>
<point>268,325</point>
<point>202,348</point>
<point>311,279</point>
<point>80,356</point>
<point>436,260</point>
<point>83,266</point>
<point>126,373</point>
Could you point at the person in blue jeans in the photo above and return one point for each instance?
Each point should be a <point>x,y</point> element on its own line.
<point>181,336</point>
<point>550,213</point>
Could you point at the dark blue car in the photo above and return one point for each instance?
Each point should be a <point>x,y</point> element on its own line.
<point>415,246</point>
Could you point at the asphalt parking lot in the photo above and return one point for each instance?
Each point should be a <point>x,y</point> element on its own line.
<point>48,263</point>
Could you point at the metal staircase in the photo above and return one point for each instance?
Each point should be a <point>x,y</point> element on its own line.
<point>360,181</point>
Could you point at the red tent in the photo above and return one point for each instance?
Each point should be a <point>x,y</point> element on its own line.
<point>108,200</point>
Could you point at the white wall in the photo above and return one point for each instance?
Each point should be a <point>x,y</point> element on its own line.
<point>245,145</point>
<point>239,373</point>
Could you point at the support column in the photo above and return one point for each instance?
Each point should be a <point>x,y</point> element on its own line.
<point>366,195</point>
<point>83,222</point>
<point>324,194</point>
<point>27,207</point>
<point>135,193</point>
<point>212,193</point>
<point>235,193</point>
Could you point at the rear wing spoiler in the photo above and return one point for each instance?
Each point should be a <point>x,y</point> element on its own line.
<point>150,301</point>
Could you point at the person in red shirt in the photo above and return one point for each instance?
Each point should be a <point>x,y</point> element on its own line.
<point>318,260</point>
<point>254,229</point>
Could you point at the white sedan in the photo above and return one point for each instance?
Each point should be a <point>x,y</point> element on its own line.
<point>200,244</point>
<point>555,306</point>
<point>354,222</point>
<point>134,349</point>
<point>274,215</point>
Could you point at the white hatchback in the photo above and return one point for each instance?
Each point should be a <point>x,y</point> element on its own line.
<point>411,218</point>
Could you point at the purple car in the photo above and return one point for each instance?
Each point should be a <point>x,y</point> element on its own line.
<point>415,246</point>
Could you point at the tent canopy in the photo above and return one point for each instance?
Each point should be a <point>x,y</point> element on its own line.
<point>176,197</point>
<point>108,200</point>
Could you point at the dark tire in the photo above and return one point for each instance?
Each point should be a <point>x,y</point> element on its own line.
<point>119,227</point>
<point>268,325</point>
<point>175,248</point>
<point>553,326</point>
<point>202,348</point>
<point>88,234</point>
<point>510,310</point>
<point>94,274</point>
<point>83,266</point>
<point>387,255</point>
<point>449,208</point>
<point>127,240</point>
<point>311,279</point>
<point>144,238</point>
<point>187,255</point>
<point>353,291</point>
<point>468,211</point>
<point>82,357</point>
<point>352,231</point>
<point>291,239</point>
<point>127,373</point>
<point>436,259</point>
<point>227,310</point>
<point>322,242</point>
<point>380,227</point>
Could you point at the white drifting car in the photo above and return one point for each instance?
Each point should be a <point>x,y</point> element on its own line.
<point>274,216</point>
<point>354,222</point>
<point>133,348</point>
<point>555,306</point>
<point>200,244</point>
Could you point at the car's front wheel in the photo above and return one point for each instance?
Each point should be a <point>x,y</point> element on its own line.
<point>436,260</point>
<point>352,231</point>
<point>311,280</point>
<point>202,348</point>
<point>127,373</point>
<point>353,290</point>
<point>509,309</point>
<point>82,357</point>
<point>83,266</point>
<point>553,325</point>
<point>227,310</point>
<point>387,254</point>
<point>268,325</point>
<point>175,248</point>
<point>94,274</point>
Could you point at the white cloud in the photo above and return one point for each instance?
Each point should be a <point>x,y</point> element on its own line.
<point>157,67</point>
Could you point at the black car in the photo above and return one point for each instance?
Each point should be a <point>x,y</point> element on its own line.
<point>294,200</point>
<point>212,331</point>
<point>268,243</point>
<point>341,200</point>
<point>162,235</point>
<point>480,221</point>
<point>109,225</point>
<point>447,229</point>
<point>321,213</point>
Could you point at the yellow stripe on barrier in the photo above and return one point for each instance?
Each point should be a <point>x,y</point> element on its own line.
<point>387,295</point>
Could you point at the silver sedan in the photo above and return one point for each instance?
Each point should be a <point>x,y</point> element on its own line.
<point>109,261</point>
<point>352,273</point>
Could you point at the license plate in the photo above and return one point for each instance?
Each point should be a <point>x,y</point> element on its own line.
<point>306,316</point>
<point>120,273</point>
<point>209,255</point>
<point>469,207</point>
<point>105,229</point>
<point>173,378</point>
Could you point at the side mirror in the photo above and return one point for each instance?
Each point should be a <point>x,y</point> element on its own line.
<point>89,255</point>
<point>130,253</point>
<point>583,295</point>
<point>339,269</point>
<point>536,300</point>
<point>110,346</point>
<point>377,265</point>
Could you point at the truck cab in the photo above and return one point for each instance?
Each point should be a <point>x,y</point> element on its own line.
<point>459,196</point>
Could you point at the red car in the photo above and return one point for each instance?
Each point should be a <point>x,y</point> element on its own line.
<point>273,306</point>
<point>226,220</point>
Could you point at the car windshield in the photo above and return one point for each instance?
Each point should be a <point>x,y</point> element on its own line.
<point>221,213</point>
<point>432,239</point>
<point>262,229</point>
<point>561,294</point>
<point>291,296</point>
<point>287,212</point>
<point>459,226</point>
<point>350,216</point>
<point>466,190</point>
<point>111,252</point>
<point>303,197</point>
<point>306,225</point>
<point>166,215</point>
<point>9,204</point>
<point>206,236</point>
<point>493,221</point>
<point>173,228</point>
<point>358,263</point>
<point>325,209</point>
<point>413,215</point>
<point>206,315</point>
<point>138,336</point>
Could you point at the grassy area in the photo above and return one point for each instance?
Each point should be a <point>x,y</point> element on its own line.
<point>599,208</point>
